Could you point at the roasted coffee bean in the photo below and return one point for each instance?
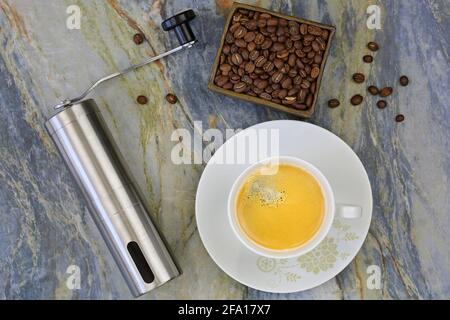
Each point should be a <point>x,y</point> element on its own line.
<point>282,93</point>
<point>293,91</point>
<point>234,48</point>
<point>244,53</point>
<point>297,80</point>
<point>292,59</point>
<point>303,73</point>
<point>259,39</point>
<point>229,38</point>
<point>373,90</point>
<point>356,99</point>
<point>287,83</point>
<point>309,100</point>
<point>228,86</point>
<point>382,104</point>
<point>272,22</point>
<point>237,17</point>
<point>276,100</point>
<point>285,68</point>
<point>309,38</point>
<point>289,100</point>
<point>278,46</point>
<point>404,81</point>
<point>260,61</point>
<point>315,71</point>
<point>253,55</point>
<point>266,53</point>
<point>251,46</point>
<point>171,98</point>
<point>311,55</point>
<point>262,84</point>
<point>240,87</point>
<point>368,59</point>
<point>317,59</point>
<point>240,32</point>
<point>315,46</point>
<point>277,77</point>
<point>247,79</point>
<point>271,30</point>
<point>385,92</point>
<point>234,26</point>
<point>399,118</point>
<point>314,30</point>
<point>221,80</point>
<point>303,29</point>
<point>302,95</point>
<point>333,103</point>
<point>251,93</point>
<point>307,48</point>
<point>275,93</point>
<point>300,106</point>
<point>266,44</point>
<point>300,53</point>
<point>240,43</point>
<point>251,25</point>
<point>305,84</point>
<point>225,68</point>
<point>312,89</point>
<point>358,77</point>
<point>373,46</point>
<point>278,63</point>
<point>282,22</point>
<point>280,32</point>
<point>292,73</point>
<point>283,54</point>
<point>268,66</point>
<point>322,43</point>
<point>265,96</point>
<point>222,58</point>
<point>249,37</point>
<point>265,16</point>
<point>226,49</point>
<point>249,67</point>
<point>236,58</point>
<point>235,78</point>
<point>138,38</point>
<point>142,99</point>
<point>324,34</point>
<point>262,23</point>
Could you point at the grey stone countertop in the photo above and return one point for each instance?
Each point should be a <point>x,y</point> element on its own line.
<point>44,223</point>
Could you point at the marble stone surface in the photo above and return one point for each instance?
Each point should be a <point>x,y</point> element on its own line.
<point>44,223</point>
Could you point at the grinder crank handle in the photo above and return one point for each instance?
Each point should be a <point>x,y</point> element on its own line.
<point>179,23</point>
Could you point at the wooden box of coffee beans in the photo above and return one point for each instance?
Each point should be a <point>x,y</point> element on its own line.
<point>271,59</point>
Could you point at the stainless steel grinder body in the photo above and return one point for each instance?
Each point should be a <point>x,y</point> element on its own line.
<point>85,143</point>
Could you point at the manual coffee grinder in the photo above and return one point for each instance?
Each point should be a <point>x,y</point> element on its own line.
<point>83,140</point>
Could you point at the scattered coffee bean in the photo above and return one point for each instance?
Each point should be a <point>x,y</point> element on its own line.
<point>373,46</point>
<point>381,104</point>
<point>373,90</point>
<point>404,81</point>
<point>368,59</point>
<point>359,78</point>
<point>272,58</point>
<point>399,118</point>
<point>333,103</point>
<point>171,98</point>
<point>142,99</point>
<point>385,92</point>
<point>356,99</point>
<point>138,38</point>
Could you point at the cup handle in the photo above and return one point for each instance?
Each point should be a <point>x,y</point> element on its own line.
<point>348,211</point>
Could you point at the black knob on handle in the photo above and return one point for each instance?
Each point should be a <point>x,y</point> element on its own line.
<point>180,24</point>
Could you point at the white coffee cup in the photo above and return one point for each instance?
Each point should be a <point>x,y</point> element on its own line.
<point>331,208</point>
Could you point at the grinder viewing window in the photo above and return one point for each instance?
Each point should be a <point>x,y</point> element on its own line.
<point>82,138</point>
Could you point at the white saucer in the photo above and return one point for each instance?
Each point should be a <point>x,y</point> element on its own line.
<point>350,183</point>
